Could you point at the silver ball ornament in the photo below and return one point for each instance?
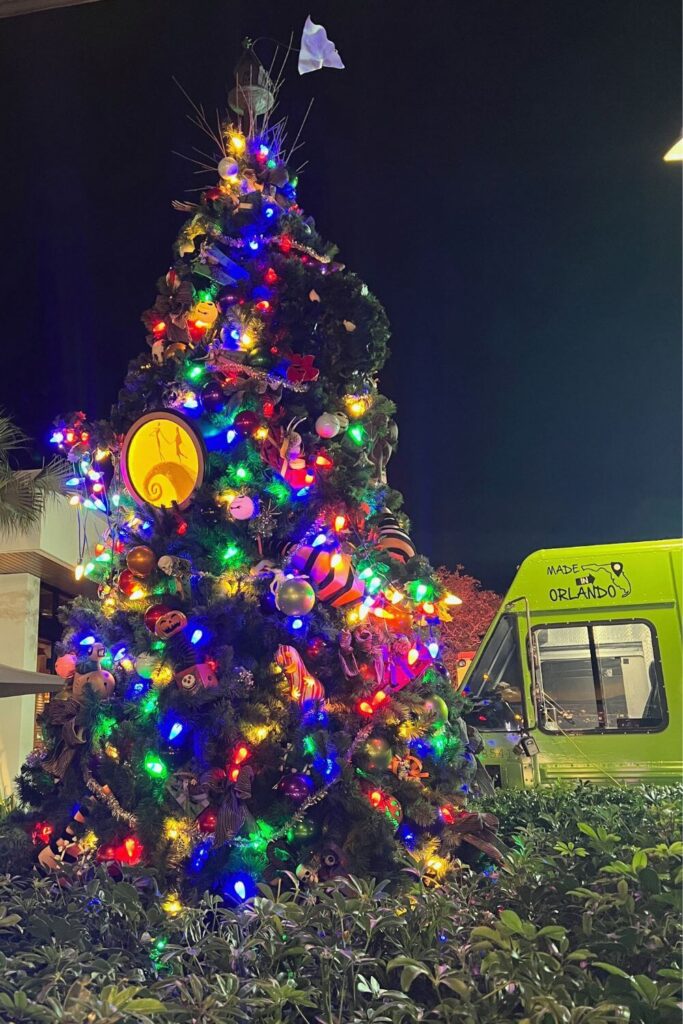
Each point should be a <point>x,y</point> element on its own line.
<point>294,597</point>
<point>228,167</point>
<point>329,424</point>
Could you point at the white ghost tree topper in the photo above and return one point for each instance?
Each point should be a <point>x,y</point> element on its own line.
<point>317,51</point>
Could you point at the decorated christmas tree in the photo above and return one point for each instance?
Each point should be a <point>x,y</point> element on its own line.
<point>257,688</point>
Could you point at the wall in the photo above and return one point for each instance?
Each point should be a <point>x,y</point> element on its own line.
<point>19,602</point>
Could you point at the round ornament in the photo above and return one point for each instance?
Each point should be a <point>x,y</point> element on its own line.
<point>228,167</point>
<point>329,424</point>
<point>146,664</point>
<point>302,831</point>
<point>65,666</point>
<point>393,810</point>
<point>296,787</point>
<point>436,707</point>
<point>127,582</point>
<point>245,422</point>
<point>141,561</point>
<point>242,507</point>
<point>162,460</point>
<point>207,820</point>
<point>294,597</point>
<point>376,754</point>
<point>154,613</point>
<point>213,399</point>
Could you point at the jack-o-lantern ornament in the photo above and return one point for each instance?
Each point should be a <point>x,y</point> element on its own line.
<point>163,621</point>
<point>169,624</point>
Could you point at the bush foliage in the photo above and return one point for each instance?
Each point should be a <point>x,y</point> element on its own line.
<point>581,926</point>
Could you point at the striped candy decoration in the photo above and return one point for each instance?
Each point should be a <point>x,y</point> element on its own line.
<point>331,573</point>
<point>302,685</point>
<point>392,539</point>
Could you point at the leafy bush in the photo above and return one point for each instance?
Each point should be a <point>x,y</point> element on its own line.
<point>579,927</point>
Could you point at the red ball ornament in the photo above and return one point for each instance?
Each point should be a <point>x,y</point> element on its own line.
<point>154,613</point>
<point>296,787</point>
<point>207,820</point>
<point>127,582</point>
<point>245,422</point>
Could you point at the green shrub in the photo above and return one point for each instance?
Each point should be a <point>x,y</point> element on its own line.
<point>579,927</point>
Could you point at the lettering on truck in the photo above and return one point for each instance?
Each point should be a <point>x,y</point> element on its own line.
<point>589,582</point>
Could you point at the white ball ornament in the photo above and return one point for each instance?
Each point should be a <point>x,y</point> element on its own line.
<point>328,424</point>
<point>242,507</point>
<point>228,167</point>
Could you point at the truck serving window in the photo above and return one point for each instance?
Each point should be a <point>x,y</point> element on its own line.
<point>599,677</point>
<point>495,685</point>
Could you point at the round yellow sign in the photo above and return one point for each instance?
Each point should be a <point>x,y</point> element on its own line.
<point>162,460</point>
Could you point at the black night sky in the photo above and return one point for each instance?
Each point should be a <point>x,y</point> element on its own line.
<point>492,169</point>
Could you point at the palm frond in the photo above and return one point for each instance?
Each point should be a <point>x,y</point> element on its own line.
<point>24,494</point>
<point>12,438</point>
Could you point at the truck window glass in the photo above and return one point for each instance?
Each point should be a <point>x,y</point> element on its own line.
<point>495,685</point>
<point>598,677</point>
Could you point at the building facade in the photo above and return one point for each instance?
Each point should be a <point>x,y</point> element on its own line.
<point>36,578</point>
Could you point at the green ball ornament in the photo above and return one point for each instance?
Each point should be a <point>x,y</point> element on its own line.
<point>436,707</point>
<point>302,831</point>
<point>376,754</point>
<point>294,597</point>
<point>145,664</point>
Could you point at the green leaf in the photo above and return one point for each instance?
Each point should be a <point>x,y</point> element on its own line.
<point>552,931</point>
<point>409,973</point>
<point>611,969</point>
<point>649,880</point>
<point>639,860</point>
<point>512,921</point>
<point>456,985</point>
<point>145,1005</point>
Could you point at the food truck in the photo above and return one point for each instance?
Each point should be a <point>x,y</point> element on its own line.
<point>579,675</point>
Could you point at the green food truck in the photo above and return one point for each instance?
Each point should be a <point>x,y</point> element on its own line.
<point>579,675</point>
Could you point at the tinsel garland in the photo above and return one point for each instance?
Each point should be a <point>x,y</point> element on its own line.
<point>273,380</point>
<point>240,243</point>
<point>314,798</point>
<point>110,802</point>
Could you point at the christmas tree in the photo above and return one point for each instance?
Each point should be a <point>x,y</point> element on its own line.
<point>258,688</point>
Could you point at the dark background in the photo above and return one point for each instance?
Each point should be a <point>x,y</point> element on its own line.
<point>493,169</point>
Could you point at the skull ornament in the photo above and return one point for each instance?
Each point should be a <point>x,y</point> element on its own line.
<point>307,874</point>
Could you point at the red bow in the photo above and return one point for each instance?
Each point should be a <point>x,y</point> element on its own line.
<point>301,369</point>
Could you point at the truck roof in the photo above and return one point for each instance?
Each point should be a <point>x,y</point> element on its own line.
<point>558,581</point>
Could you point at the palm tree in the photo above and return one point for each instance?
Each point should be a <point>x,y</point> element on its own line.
<point>24,492</point>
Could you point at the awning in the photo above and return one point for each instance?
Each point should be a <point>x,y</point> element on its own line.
<point>16,682</point>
